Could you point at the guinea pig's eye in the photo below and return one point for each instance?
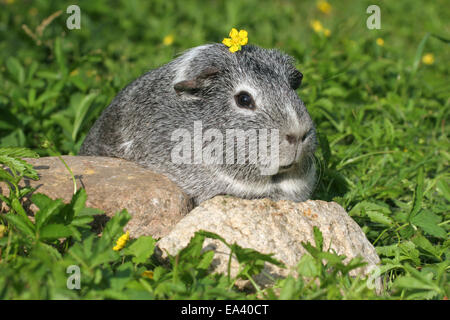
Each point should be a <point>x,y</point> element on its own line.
<point>245,100</point>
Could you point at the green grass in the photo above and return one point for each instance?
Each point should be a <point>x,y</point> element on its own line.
<point>381,113</point>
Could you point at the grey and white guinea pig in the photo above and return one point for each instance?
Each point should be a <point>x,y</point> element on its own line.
<point>208,89</point>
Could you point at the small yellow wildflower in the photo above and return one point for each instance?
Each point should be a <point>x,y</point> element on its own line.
<point>147,274</point>
<point>236,40</point>
<point>380,42</point>
<point>2,231</point>
<point>122,241</point>
<point>324,7</point>
<point>46,144</point>
<point>74,72</point>
<point>168,40</point>
<point>326,32</point>
<point>317,26</point>
<point>33,11</point>
<point>428,58</point>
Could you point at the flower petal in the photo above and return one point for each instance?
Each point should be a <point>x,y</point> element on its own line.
<point>243,34</point>
<point>234,48</point>
<point>234,33</point>
<point>227,42</point>
<point>243,41</point>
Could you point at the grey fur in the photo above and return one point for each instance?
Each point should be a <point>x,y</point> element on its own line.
<point>201,85</point>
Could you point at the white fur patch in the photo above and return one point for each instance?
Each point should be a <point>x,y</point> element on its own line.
<point>184,61</point>
<point>125,147</point>
<point>244,188</point>
<point>295,186</point>
<point>294,121</point>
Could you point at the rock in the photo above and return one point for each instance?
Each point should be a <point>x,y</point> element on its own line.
<point>155,203</point>
<point>270,227</point>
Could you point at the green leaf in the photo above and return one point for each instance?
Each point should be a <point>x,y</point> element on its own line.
<point>330,257</point>
<point>426,245</point>
<point>15,203</point>
<point>48,208</point>
<point>141,249</point>
<point>47,95</point>
<point>212,235</point>
<point>417,280</point>
<point>308,266</point>
<point>75,207</point>
<point>443,187</point>
<point>16,152</point>
<point>51,75</point>
<point>388,251</point>
<point>54,231</point>
<point>60,59</point>
<point>206,260</point>
<point>335,92</point>
<point>318,238</point>
<point>419,53</point>
<point>366,206</point>
<point>122,276</point>
<point>378,217</point>
<point>428,221</point>
<point>93,251</point>
<point>408,251</point>
<point>18,222</point>
<point>248,255</point>
<point>194,249</point>
<point>16,69</point>
<point>114,227</point>
<point>81,106</point>
<point>324,147</point>
<point>11,157</point>
<point>418,196</point>
<point>6,176</point>
<point>409,282</point>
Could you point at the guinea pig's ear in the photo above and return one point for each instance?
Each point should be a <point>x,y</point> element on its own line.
<point>295,79</point>
<point>193,86</point>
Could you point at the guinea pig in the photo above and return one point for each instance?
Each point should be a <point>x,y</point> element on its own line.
<point>201,119</point>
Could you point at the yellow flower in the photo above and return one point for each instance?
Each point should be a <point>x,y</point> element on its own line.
<point>168,40</point>
<point>147,274</point>
<point>380,42</point>
<point>45,144</point>
<point>236,40</point>
<point>317,26</point>
<point>33,11</point>
<point>2,231</point>
<point>428,58</point>
<point>327,32</point>
<point>122,241</point>
<point>74,73</point>
<point>324,6</point>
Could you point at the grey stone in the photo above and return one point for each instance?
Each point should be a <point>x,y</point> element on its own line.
<point>155,203</point>
<point>270,227</point>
